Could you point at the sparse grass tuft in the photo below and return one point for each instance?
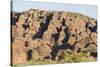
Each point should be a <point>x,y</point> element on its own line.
<point>78,57</point>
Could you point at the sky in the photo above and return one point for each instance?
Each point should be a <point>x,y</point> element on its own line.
<point>89,10</point>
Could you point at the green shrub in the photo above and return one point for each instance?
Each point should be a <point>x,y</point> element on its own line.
<point>68,58</point>
<point>78,57</point>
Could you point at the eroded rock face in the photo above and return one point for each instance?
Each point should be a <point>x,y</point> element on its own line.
<point>44,51</point>
<point>45,32</point>
<point>19,51</point>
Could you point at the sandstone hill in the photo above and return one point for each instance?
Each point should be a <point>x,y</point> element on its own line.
<point>52,37</point>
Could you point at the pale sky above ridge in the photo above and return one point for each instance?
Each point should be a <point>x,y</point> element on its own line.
<point>89,10</point>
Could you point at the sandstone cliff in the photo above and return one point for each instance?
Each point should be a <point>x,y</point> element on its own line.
<point>39,35</point>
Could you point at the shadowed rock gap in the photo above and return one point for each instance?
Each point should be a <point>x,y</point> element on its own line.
<point>43,27</point>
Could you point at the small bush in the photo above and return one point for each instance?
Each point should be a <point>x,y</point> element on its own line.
<point>78,57</point>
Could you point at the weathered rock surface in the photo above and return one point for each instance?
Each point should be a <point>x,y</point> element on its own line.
<point>38,34</point>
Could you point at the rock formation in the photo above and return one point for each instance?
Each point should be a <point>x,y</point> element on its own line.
<point>39,35</point>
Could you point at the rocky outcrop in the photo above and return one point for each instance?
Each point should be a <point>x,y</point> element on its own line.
<point>39,35</point>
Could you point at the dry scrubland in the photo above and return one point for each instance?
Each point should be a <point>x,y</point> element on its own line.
<point>50,37</point>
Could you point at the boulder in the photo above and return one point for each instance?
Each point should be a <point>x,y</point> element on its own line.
<point>44,53</point>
